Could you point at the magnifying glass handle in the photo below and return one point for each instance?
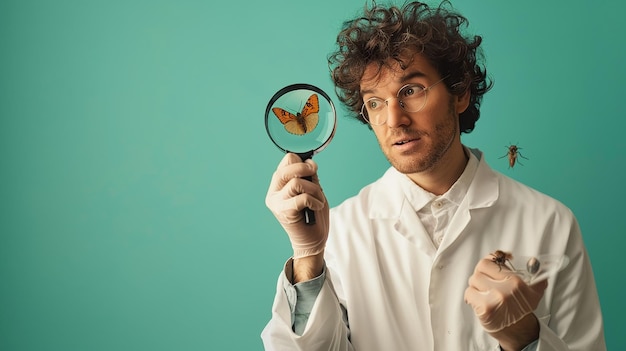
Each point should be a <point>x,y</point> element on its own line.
<point>309,215</point>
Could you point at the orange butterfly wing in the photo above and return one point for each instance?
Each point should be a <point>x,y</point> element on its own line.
<point>283,116</point>
<point>312,106</point>
<point>310,112</point>
<point>290,121</point>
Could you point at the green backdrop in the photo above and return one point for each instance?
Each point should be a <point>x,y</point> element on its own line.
<point>134,161</point>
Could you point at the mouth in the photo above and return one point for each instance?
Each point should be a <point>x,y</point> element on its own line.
<point>404,141</point>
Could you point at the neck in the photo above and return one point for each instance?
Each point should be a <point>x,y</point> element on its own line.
<point>445,173</point>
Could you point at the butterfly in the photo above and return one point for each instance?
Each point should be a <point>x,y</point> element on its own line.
<point>302,122</point>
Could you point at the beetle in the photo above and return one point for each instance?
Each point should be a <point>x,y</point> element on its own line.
<point>501,258</point>
<point>512,153</point>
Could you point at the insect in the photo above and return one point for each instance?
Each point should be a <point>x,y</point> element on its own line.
<point>501,258</point>
<point>302,122</point>
<point>512,153</point>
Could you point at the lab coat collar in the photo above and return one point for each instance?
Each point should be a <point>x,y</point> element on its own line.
<point>388,197</point>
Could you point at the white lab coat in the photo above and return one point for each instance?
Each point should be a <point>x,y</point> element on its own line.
<point>401,293</point>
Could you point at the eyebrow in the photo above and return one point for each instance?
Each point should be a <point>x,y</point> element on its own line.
<point>404,79</point>
<point>412,75</point>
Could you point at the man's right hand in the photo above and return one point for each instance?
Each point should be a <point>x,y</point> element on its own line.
<point>287,197</point>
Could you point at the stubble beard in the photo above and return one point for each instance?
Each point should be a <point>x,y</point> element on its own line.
<point>433,152</point>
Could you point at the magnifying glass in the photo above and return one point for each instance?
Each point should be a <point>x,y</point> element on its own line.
<point>301,119</point>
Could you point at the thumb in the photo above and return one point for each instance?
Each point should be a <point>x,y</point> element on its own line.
<point>288,159</point>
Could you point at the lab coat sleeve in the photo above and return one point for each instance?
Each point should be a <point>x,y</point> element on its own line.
<point>306,295</point>
<point>532,346</point>
<point>326,329</point>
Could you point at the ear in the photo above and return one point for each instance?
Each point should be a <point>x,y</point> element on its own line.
<point>462,101</point>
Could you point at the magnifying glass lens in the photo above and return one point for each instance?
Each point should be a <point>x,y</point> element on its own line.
<point>300,118</point>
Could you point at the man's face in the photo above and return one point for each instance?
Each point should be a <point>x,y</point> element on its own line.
<point>422,141</point>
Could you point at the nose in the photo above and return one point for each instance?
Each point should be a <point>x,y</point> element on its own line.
<point>396,115</point>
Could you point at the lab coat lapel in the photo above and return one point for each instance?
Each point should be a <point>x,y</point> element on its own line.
<point>413,230</point>
<point>482,192</point>
<point>389,202</point>
<point>457,225</point>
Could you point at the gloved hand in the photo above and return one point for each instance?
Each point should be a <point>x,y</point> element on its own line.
<point>287,197</point>
<point>499,297</point>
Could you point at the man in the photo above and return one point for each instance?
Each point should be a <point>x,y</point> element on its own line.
<point>418,260</point>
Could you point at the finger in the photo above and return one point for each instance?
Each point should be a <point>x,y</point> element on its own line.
<point>311,164</point>
<point>540,286</point>
<point>289,168</point>
<point>480,282</point>
<point>298,186</point>
<point>479,300</point>
<point>288,159</point>
<point>291,210</point>
<point>315,177</point>
<point>314,196</point>
<point>490,268</point>
<point>306,200</point>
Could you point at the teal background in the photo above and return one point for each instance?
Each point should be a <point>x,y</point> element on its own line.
<point>134,161</point>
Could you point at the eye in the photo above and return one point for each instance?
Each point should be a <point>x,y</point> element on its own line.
<point>373,104</point>
<point>411,91</point>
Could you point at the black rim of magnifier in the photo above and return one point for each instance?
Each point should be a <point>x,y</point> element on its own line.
<point>301,86</point>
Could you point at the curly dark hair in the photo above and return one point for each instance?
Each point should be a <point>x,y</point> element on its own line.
<point>394,33</point>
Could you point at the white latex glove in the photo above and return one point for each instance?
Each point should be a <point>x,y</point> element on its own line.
<point>287,197</point>
<point>499,297</point>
